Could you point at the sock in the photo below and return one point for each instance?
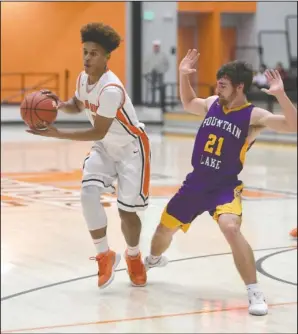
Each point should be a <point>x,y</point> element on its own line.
<point>253,287</point>
<point>133,251</point>
<point>154,259</point>
<point>101,245</point>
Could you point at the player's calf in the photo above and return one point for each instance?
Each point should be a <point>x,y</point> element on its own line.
<point>131,227</point>
<point>244,261</point>
<point>96,220</point>
<point>161,241</point>
<point>242,252</point>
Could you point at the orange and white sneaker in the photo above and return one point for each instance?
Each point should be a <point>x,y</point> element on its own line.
<point>293,233</point>
<point>107,263</point>
<point>136,270</point>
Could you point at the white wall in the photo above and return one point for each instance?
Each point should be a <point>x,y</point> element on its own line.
<point>246,35</point>
<point>164,28</point>
<point>271,16</point>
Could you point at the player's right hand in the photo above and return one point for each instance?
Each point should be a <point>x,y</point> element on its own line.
<point>187,64</point>
<point>50,94</point>
<point>59,103</point>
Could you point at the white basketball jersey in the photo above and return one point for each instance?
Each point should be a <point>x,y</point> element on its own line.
<point>126,126</point>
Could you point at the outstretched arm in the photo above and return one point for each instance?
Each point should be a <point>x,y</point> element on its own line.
<point>188,97</point>
<point>281,123</point>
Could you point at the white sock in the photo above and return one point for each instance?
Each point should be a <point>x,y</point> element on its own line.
<point>252,287</point>
<point>154,259</point>
<point>133,251</point>
<point>101,245</point>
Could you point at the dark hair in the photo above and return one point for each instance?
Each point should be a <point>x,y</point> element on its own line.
<point>101,34</point>
<point>239,72</point>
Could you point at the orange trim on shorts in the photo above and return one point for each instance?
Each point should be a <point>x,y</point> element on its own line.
<point>144,141</point>
<point>145,146</point>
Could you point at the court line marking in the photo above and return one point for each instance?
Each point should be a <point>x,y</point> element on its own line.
<point>283,192</point>
<point>150,317</point>
<point>73,192</point>
<point>18,294</point>
<point>74,175</point>
<point>261,270</point>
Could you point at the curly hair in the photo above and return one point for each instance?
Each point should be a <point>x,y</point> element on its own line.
<point>101,34</point>
<point>238,72</point>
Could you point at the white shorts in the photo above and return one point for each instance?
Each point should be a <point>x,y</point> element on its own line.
<point>129,165</point>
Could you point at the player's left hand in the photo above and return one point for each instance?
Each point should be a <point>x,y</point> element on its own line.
<point>46,131</point>
<point>275,82</point>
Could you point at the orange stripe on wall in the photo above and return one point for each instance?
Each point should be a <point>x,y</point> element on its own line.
<point>209,42</point>
<point>186,41</point>
<point>228,43</point>
<point>223,7</point>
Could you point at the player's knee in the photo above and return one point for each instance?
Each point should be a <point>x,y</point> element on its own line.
<point>163,230</point>
<point>89,194</point>
<point>229,225</point>
<point>128,217</point>
<point>93,210</point>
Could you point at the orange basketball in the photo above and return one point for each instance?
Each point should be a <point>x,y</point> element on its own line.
<point>37,108</point>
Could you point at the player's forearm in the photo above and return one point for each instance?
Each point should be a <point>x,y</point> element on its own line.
<point>70,107</point>
<point>86,135</point>
<point>289,110</point>
<point>187,93</point>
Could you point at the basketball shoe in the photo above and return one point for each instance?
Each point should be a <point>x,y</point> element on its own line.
<point>257,303</point>
<point>161,262</point>
<point>136,270</point>
<point>107,263</point>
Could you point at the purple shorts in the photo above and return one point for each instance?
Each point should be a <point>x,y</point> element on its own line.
<point>188,203</point>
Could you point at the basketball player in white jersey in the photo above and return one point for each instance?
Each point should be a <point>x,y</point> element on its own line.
<point>121,151</point>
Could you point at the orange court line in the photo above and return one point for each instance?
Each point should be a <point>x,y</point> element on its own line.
<point>55,177</point>
<point>161,316</point>
<point>161,191</point>
<point>171,190</point>
<point>12,200</point>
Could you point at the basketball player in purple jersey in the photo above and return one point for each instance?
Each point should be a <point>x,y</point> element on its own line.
<point>230,127</point>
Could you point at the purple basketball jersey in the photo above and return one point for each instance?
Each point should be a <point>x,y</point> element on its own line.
<point>220,147</point>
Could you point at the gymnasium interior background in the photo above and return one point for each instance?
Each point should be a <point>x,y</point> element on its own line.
<point>41,48</point>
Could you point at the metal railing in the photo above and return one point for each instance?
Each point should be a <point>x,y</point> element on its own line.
<point>21,87</point>
<point>169,94</point>
<point>170,98</point>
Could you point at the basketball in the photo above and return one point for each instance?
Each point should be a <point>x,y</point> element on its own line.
<point>37,108</point>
